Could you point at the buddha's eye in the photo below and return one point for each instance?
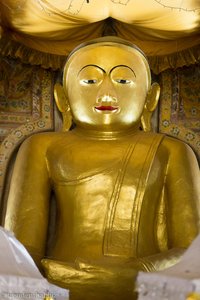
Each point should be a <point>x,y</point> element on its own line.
<point>88,81</point>
<point>123,81</point>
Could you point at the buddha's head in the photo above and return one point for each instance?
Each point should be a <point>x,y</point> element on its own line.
<point>106,82</point>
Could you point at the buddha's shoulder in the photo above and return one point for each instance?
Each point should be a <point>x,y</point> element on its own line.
<point>45,139</point>
<point>167,146</point>
<point>170,143</point>
<point>176,147</point>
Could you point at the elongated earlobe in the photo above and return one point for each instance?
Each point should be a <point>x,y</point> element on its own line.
<point>150,106</point>
<point>63,106</point>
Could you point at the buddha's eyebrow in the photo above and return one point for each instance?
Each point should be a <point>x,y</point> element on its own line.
<point>124,67</point>
<point>92,66</point>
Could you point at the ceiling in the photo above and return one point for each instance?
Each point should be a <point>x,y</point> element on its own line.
<point>168,31</point>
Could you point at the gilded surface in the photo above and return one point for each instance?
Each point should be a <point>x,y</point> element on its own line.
<point>117,189</point>
<point>193,296</point>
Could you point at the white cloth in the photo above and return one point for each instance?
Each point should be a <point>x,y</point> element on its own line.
<point>19,277</point>
<point>176,282</point>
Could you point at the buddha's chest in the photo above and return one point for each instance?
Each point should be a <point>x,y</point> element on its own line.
<point>83,160</point>
<point>101,188</point>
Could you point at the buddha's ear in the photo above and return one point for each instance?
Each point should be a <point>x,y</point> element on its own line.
<point>63,106</point>
<point>150,106</point>
<point>60,97</point>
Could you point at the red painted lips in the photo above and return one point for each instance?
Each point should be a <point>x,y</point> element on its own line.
<point>104,107</point>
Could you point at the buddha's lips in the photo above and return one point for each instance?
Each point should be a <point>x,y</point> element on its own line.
<point>104,107</point>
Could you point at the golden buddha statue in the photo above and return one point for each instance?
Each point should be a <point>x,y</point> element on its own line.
<point>126,200</point>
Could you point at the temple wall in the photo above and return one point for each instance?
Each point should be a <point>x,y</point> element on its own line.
<point>179,109</point>
<point>26,107</point>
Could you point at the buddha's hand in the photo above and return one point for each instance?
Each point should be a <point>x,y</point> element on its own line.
<point>83,276</point>
<point>77,273</point>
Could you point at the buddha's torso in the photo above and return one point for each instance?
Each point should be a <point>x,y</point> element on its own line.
<point>102,198</point>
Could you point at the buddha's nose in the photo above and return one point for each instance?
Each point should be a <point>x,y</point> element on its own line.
<point>107,94</point>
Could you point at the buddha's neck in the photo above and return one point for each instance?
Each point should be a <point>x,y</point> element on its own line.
<point>105,135</point>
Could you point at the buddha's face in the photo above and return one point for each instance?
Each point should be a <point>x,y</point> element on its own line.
<point>106,87</point>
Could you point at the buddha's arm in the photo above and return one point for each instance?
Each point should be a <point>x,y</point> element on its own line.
<point>27,209</point>
<point>117,274</point>
<point>96,280</point>
<point>182,195</point>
